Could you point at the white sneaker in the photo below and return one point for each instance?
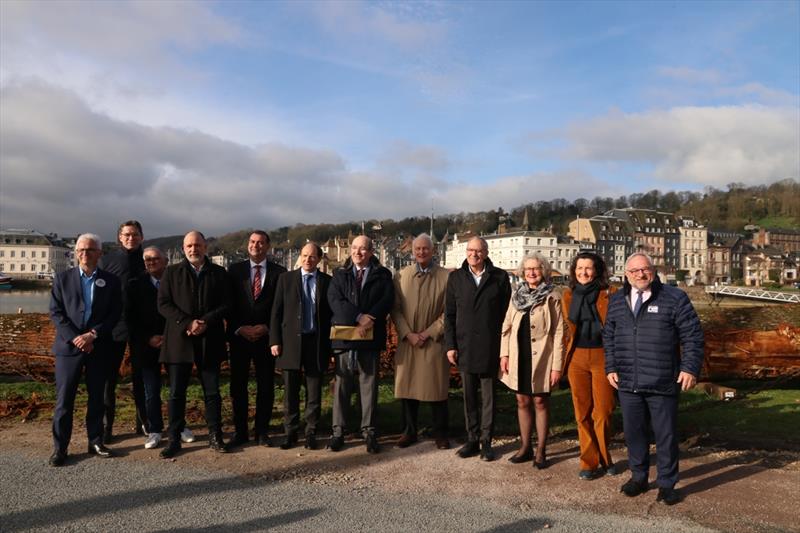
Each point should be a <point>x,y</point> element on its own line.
<point>187,435</point>
<point>153,440</point>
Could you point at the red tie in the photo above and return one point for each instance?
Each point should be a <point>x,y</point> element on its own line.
<point>257,282</point>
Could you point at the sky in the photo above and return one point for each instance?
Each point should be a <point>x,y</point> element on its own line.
<point>220,116</point>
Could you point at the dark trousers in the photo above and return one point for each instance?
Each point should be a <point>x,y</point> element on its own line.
<point>478,413</point>
<point>115,355</point>
<point>291,382</point>
<point>363,363</point>
<point>68,375</point>
<point>179,374</point>
<point>265,387</point>
<point>410,412</point>
<point>640,411</point>
<point>150,378</point>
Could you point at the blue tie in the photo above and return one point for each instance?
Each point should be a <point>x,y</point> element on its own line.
<point>638,304</point>
<point>308,305</point>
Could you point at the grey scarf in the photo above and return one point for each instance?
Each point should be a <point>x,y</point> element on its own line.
<point>525,298</point>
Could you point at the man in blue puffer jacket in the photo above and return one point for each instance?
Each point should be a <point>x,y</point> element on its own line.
<point>654,349</point>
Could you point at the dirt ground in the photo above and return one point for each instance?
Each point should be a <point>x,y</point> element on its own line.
<point>738,491</point>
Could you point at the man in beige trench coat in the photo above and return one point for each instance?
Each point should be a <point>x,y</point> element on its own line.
<point>422,372</point>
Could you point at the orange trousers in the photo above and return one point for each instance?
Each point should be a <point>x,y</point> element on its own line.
<point>593,400</point>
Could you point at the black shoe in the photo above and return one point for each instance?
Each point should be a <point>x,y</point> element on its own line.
<point>613,470</point>
<point>335,444</point>
<point>588,475</point>
<point>633,488</point>
<point>107,436</point>
<point>521,457</point>
<point>100,450</point>
<point>217,443</point>
<point>290,442</point>
<point>372,443</point>
<point>470,449</point>
<point>406,440</point>
<point>487,453</point>
<point>171,450</point>
<point>265,441</point>
<point>58,458</point>
<point>542,463</point>
<point>668,496</point>
<point>237,440</point>
<point>311,442</point>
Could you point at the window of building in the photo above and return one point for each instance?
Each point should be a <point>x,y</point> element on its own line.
<point>12,253</point>
<point>2,267</point>
<point>44,268</point>
<point>22,253</point>
<point>12,266</point>
<point>552,254</point>
<point>22,266</point>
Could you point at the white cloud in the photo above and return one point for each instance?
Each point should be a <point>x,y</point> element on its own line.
<point>703,145</point>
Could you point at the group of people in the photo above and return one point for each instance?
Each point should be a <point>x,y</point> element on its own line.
<point>642,344</point>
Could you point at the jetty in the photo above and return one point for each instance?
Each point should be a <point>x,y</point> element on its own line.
<point>719,292</point>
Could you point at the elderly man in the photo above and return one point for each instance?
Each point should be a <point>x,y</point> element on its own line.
<point>193,298</point>
<point>125,263</point>
<point>360,295</point>
<point>85,305</point>
<point>476,302</point>
<point>252,289</point>
<point>146,334</point>
<point>653,343</point>
<point>301,324</point>
<point>421,369</point>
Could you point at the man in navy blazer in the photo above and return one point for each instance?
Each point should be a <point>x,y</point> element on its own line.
<point>85,305</point>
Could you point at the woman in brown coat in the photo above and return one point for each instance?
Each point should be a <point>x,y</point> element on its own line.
<point>531,352</point>
<point>585,304</point>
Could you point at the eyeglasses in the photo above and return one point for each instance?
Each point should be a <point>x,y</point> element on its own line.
<point>129,235</point>
<point>151,259</point>
<point>532,269</point>
<point>637,271</point>
<point>86,250</point>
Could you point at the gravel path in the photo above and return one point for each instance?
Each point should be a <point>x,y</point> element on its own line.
<point>92,494</point>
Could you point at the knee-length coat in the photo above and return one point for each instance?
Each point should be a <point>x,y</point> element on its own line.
<point>420,373</point>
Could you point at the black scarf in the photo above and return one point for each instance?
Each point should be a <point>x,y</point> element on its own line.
<point>583,313</point>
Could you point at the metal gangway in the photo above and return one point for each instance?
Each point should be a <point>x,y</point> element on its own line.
<point>719,292</point>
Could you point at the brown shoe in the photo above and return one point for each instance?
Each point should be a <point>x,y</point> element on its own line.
<point>406,440</point>
<point>442,444</point>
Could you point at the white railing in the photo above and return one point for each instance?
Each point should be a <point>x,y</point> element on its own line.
<point>759,294</point>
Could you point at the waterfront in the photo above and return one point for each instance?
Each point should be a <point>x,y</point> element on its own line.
<point>30,301</point>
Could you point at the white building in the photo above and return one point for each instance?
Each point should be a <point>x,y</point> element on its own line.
<point>693,251</point>
<point>506,250</point>
<point>26,253</point>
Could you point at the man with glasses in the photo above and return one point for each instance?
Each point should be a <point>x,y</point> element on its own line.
<point>653,344</point>
<point>125,263</point>
<point>475,304</point>
<point>85,305</point>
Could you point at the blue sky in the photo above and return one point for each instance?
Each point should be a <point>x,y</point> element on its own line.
<point>224,115</point>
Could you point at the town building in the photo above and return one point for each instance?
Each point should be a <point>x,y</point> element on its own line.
<point>693,253</point>
<point>26,253</point>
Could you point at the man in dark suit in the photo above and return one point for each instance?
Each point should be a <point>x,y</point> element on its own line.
<point>85,304</point>
<point>300,339</point>
<point>475,304</point>
<point>361,294</point>
<point>146,335</point>
<point>193,298</point>
<point>252,289</point>
<point>125,263</point>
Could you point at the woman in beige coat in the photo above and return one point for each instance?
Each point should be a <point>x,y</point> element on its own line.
<point>422,373</point>
<point>531,352</point>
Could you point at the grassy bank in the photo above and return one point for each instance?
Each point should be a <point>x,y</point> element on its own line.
<point>768,418</point>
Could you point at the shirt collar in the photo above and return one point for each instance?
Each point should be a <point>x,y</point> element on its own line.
<point>83,274</point>
<point>262,264</point>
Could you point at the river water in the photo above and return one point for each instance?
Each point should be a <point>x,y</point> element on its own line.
<point>34,301</point>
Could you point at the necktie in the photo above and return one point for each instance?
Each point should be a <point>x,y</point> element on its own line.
<point>308,305</point>
<point>359,281</point>
<point>257,282</point>
<point>638,304</point>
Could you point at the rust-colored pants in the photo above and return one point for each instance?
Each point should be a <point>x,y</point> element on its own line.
<point>593,400</point>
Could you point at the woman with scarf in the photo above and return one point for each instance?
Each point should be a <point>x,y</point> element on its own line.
<point>585,304</point>
<point>531,352</point>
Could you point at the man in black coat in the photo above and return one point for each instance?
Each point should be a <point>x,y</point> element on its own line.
<point>653,344</point>
<point>252,289</point>
<point>193,298</point>
<point>300,339</point>
<point>361,295</point>
<point>85,305</point>
<point>475,305</point>
<point>125,263</point>
<point>146,335</point>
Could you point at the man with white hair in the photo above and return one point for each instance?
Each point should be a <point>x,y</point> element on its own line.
<point>85,305</point>
<point>653,344</point>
